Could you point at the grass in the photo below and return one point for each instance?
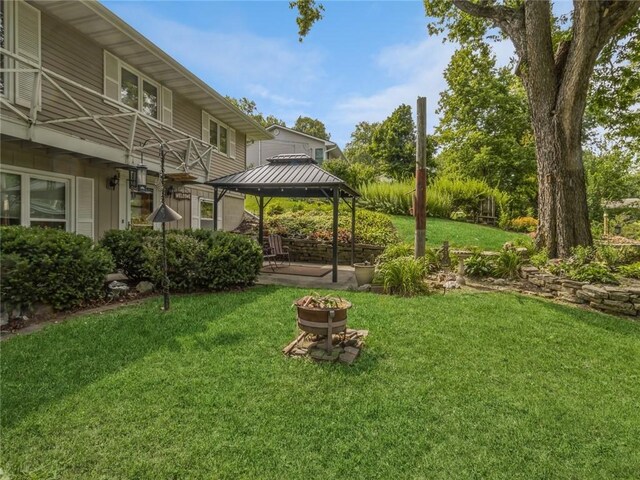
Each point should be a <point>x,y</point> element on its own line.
<point>455,386</point>
<point>459,234</point>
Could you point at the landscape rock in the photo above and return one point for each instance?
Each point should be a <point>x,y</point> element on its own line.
<point>597,292</point>
<point>118,289</point>
<point>365,288</point>
<point>144,287</point>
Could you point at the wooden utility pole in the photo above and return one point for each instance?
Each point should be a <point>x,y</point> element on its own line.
<point>420,199</point>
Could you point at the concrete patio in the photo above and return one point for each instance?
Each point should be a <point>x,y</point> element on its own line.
<point>346,278</point>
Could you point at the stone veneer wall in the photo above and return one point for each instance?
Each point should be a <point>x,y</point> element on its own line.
<point>613,299</point>
<point>313,251</point>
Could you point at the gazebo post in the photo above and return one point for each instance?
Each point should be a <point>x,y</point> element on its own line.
<point>261,221</point>
<point>336,201</point>
<point>215,209</point>
<point>353,230</point>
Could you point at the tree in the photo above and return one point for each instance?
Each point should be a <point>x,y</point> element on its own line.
<point>485,130</point>
<point>394,143</point>
<point>555,71</point>
<point>311,126</point>
<point>609,177</point>
<point>359,148</point>
<point>249,107</point>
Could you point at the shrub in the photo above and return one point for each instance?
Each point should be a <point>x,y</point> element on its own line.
<point>392,198</point>
<point>57,268</point>
<point>524,224</point>
<point>392,252</point>
<point>445,196</point>
<point>403,276</point>
<point>126,248</point>
<point>354,174</point>
<point>317,223</point>
<point>540,259</point>
<point>458,215</point>
<point>478,265</point>
<point>630,271</point>
<point>594,272</point>
<point>507,264</point>
<point>203,261</point>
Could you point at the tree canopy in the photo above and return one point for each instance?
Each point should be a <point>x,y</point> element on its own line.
<point>394,143</point>
<point>359,147</point>
<point>312,126</point>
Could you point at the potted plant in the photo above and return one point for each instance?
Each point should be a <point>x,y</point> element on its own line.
<point>322,315</point>
<point>364,272</point>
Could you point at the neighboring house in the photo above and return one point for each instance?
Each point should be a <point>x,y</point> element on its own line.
<point>84,99</point>
<point>287,140</point>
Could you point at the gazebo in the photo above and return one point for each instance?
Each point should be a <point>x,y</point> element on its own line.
<point>294,176</point>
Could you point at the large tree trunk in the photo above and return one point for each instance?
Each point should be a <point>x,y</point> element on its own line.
<point>562,198</point>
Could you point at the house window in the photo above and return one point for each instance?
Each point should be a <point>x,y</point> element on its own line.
<point>141,206</point>
<point>223,146</point>
<point>213,134</point>
<point>149,99</point>
<point>48,203</point>
<point>11,196</point>
<point>129,88</point>
<point>206,214</point>
<point>34,200</point>
<point>222,137</point>
<point>126,85</point>
<point>319,155</point>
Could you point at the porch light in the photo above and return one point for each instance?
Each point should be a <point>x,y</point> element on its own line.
<point>138,178</point>
<point>112,182</point>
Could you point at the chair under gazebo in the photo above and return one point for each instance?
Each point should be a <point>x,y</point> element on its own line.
<point>294,175</point>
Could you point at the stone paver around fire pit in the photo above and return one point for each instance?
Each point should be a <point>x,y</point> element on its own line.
<point>346,346</point>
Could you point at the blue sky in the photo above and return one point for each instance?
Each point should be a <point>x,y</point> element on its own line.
<point>359,63</point>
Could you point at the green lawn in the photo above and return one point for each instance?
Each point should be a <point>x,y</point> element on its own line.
<point>459,234</point>
<point>455,386</point>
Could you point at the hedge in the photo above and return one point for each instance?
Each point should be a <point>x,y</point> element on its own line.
<point>196,259</point>
<point>53,267</point>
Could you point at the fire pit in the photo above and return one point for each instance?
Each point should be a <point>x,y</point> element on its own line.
<point>322,315</point>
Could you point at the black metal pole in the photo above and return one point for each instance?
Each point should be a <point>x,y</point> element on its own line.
<point>165,280</point>
<point>215,209</point>
<point>261,221</point>
<point>336,200</point>
<point>353,230</point>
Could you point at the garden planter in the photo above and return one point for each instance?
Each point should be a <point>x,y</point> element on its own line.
<point>326,321</point>
<point>364,273</point>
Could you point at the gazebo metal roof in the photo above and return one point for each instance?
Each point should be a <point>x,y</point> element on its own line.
<point>285,175</point>
<point>289,175</point>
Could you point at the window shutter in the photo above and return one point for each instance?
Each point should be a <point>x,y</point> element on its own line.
<point>167,106</point>
<point>84,206</point>
<point>111,77</point>
<point>232,143</point>
<point>195,212</point>
<point>205,127</point>
<point>27,46</point>
<point>220,214</point>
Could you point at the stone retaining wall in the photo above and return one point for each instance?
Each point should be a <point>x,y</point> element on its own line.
<point>612,299</point>
<point>312,251</point>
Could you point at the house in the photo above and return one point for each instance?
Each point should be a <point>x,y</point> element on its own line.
<point>85,99</point>
<point>287,140</point>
